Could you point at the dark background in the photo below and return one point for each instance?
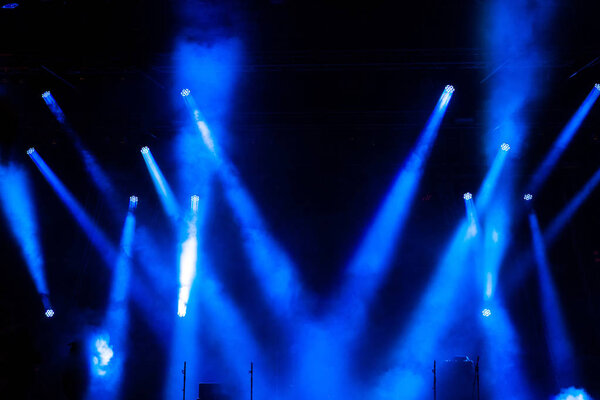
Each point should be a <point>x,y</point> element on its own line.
<point>330,99</point>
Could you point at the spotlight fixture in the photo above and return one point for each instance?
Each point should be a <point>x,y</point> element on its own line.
<point>46,94</point>
<point>195,200</point>
<point>597,86</point>
<point>505,146</point>
<point>49,313</point>
<point>11,5</point>
<point>528,197</point>
<point>30,150</point>
<point>486,312</point>
<point>449,89</point>
<point>467,196</point>
<point>133,202</point>
<point>185,92</point>
<point>145,150</point>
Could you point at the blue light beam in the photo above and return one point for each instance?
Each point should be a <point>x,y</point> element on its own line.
<point>109,350</point>
<point>19,210</point>
<point>165,194</point>
<point>559,343</point>
<point>561,143</point>
<point>99,177</point>
<point>188,258</point>
<point>370,262</point>
<point>97,237</point>
<point>569,210</point>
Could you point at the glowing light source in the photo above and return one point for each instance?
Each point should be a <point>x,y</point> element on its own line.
<point>467,196</point>
<point>185,92</point>
<point>449,89</point>
<point>486,312</point>
<point>49,313</point>
<point>597,86</point>
<point>104,353</point>
<point>11,5</point>
<point>45,95</point>
<point>145,150</point>
<point>133,202</point>
<point>505,146</point>
<point>195,200</point>
<point>30,150</point>
<point>528,197</point>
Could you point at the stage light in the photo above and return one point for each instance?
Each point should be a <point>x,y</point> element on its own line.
<point>145,150</point>
<point>11,5</point>
<point>45,95</point>
<point>30,150</point>
<point>505,146</point>
<point>49,313</point>
<point>133,202</point>
<point>467,196</point>
<point>486,312</point>
<point>449,89</point>
<point>195,200</point>
<point>528,197</point>
<point>185,92</point>
<point>597,86</point>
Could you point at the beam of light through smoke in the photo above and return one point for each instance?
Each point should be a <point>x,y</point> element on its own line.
<point>371,261</point>
<point>561,143</point>
<point>19,210</point>
<point>559,344</point>
<point>165,194</point>
<point>99,177</point>
<point>96,236</point>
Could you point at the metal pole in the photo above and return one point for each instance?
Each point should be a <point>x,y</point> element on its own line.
<point>251,372</point>
<point>184,371</point>
<point>434,382</point>
<point>477,376</point>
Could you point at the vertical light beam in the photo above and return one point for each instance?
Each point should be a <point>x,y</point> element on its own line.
<point>188,258</point>
<point>109,345</point>
<point>165,193</point>
<point>562,141</point>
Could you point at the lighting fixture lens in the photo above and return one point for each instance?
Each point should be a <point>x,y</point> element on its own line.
<point>467,196</point>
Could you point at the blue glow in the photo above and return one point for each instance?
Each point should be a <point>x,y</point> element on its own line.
<point>371,260</point>
<point>11,5</point>
<point>96,236</point>
<point>30,150</point>
<point>597,86</point>
<point>527,197</point>
<point>484,194</point>
<point>271,264</point>
<point>449,89</point>
<point>561,143</point>
<point>559,222</point>
<point>200,123</point>
<point>472,218</point>
<point>486,312</point>
<point>185,92</point>
<point>573,393</point>
<point>99,177</point>
<point>505,147</point>
<point>19,209</point>
<point>558,340</point>
<point>49,313</point>
<point>467,196</point>
<point>133,202</point>
<point>163,189</point>
<point>103,354</point>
